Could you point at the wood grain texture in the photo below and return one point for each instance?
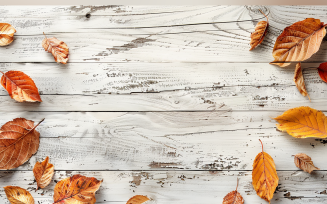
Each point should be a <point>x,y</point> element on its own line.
<point>163,101</point>
<point>193,186</point>
<point>164,140</point>
<point>203,34</point>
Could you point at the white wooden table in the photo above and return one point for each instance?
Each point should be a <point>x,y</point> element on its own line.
<point>161,101</point>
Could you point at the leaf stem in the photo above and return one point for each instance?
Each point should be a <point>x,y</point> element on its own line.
<point>45,35</point>
<point>263,14</point>
<point>237,183</point>
<point>261,144</point>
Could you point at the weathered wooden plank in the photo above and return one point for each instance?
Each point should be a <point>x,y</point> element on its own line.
<point>180,186</point>
<point>160,38</point>
<point>169,140</point>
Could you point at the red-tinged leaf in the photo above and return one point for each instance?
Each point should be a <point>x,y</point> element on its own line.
<point>20,86</point>
<point>322,70</point>
<point>18,142</point>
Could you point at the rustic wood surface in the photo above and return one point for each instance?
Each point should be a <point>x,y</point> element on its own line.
<point>163,101</point>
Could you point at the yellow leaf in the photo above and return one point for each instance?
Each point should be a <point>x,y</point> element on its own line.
<point>264,175</point>
<point>43,173</point>
<point>303,122</point>
<point>138,199</point>
<point>17,195</point>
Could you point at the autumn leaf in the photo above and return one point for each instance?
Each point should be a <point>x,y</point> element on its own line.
<point>18,142</point>
<point>138,199</point>
<point>77,189</point>
<point>7,32</point>
<point>260,32</point>
<point>20,86</point>
<point>17,195</point>
<point>322,71</point>
<point>299,80</point>
<point>303,122</point>
<point>57,48</point>
<point>304,162</point>
<point>43,173</point>
<point>264,175</point>
<point>233,197</point>
<point>298,42</point>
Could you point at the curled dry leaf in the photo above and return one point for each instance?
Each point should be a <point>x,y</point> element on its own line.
<point>17,195</point>
<point>303,122</point>
<point>304,162</point>
<point>299,80</point>
<point>20,86</point>
<point>43,173</point>
<point>322,71</point>
<point>138,199</point>
<point>77,189</point>
<point>57,48</point>
<point>233,197</point>
<point>298,42</point>
<point>264,175</point>
<point>7,32</point>
<point>18,142</point>
<point>259,34</point>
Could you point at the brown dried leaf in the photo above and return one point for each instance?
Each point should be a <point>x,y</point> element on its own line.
<point>264,175</point>
<point>18,142</point>
<point>77,189</point>
<point>304,162</point>
<point>260,32</point>
<point>233,197</point>
<point>20,86</point>
<point>298,42</point>
<point>17,195</point>
<point>138,199</point>
<point>59,49</point>
<point>7,32</point>
<point>299,80</point>
<point>43,173</point>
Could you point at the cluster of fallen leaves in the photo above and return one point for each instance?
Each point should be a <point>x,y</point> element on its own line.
<point>296,43</point>
<point>300,122</point>
<point>19,85</point>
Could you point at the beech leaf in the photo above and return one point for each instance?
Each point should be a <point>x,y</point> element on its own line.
<point>17,195</point>
<point>57,48</point>
<point>20,86</point>
<point>18,142</point>
<point>299,80</point>
<point>43,173</point>
<point>264,175</point>
<point>298,42</point>
<point>303,122</point>
<point>322,71</point>
<point>233,197</point>
<point>304,162</point>
<point>77,189</point>
<point>260,32</point>
<point>7,32</point>
<point>138,199</point>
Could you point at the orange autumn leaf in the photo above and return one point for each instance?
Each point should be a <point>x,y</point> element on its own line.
<point>260,32</point>
<point>138,199</point>
<point>304,162</point>
<point>322,71</point>
<point>20,86</point>
<point>298,42</point>
<point>264,175</point>
<point>7,32</point>
<point>77,189</point>
<point>18,142</point>
<point>299,80</point>
<point>17,195</point>
<point>303,122</point>
<point>233,197</point>
<point>43,173</point>
<point>57,48</point>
